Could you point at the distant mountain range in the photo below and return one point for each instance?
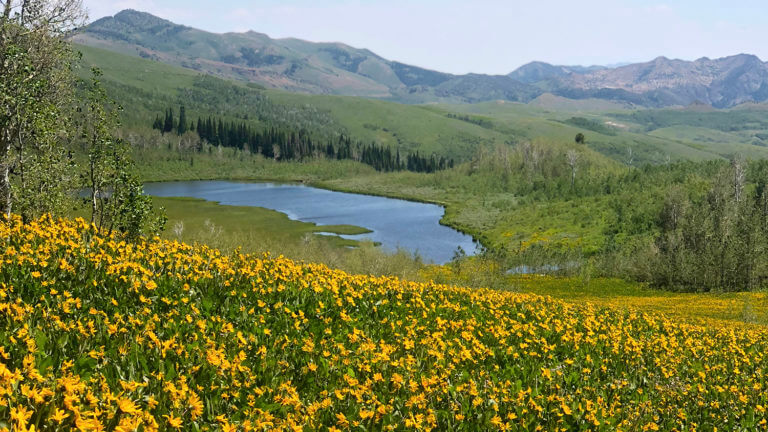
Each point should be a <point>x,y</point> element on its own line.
<point>335,68</point>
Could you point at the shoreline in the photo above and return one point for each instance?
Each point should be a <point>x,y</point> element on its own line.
<point>324,185</point>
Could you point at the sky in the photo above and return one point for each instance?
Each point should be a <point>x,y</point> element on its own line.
<point>487,36</point>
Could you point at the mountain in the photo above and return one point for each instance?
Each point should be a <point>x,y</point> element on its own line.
<point>147,88</point>
<point>534,72</point>
<point>335,68</point>
<point>722,83</point>
<point>292,64</point>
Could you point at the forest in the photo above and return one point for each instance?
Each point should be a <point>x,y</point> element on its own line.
<point>290,145</point>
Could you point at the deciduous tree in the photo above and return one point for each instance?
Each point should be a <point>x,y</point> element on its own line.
<point>35,91</point>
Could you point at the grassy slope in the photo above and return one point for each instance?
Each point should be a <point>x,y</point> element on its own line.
<point>405,126</point>
<point>145,75</point>
<point>651,147</point>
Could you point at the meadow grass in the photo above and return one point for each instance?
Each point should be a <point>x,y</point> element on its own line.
<point>246,227</point>
<point>740,308</point>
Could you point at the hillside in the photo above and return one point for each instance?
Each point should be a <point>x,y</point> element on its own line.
<point>162,345</point>
<point>613,132</point>
<point>335,68</point>
<point>146,88</point>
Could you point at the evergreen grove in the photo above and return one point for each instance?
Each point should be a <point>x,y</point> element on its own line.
<point>296,145</point>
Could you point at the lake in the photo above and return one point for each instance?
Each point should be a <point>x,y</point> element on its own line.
<point>394,223</point>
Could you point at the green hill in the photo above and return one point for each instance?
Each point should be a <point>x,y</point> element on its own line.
<point>719,133</point>
<point>146,88</point>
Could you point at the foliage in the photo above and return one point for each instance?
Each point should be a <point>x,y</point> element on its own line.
<point>718,241</point>
<point>177,337</point>
<point>44,127</point>
<point>116,194</point>
<point>480,121</point>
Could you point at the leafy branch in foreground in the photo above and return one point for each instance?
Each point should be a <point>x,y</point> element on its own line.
<point>116,196</point>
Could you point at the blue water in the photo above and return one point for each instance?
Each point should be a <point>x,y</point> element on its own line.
<point>394,223</point>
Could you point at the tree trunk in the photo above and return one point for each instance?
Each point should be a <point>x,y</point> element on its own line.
<point>6,12</point>
<point>5,189</point>
<point>94,194</point>
<point>5,174</point>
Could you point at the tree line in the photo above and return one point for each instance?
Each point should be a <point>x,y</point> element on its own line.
<point>295,145</point>
<point>718,239</point>
<point>690,226</point>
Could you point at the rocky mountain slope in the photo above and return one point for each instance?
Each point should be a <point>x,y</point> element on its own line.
<point>722,83</point>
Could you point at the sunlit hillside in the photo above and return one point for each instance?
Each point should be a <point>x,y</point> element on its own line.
<point>100,334</point>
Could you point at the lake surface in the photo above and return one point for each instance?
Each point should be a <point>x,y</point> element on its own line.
<point>394,223</point>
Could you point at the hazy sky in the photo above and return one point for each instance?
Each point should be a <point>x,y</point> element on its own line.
<point>487,36</point>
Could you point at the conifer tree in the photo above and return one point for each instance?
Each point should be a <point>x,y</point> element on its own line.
<point>181,128</point>
<point>169,121</point>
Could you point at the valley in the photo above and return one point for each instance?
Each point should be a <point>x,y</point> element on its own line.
<point>511,189</point>
<point>238,232</point>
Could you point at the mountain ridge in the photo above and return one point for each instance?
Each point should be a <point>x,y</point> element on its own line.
<point>336,68</point>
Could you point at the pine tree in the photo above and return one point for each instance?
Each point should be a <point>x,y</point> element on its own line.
<point>200,127</point>
<point>182,126</point>
<point>169,121</point>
